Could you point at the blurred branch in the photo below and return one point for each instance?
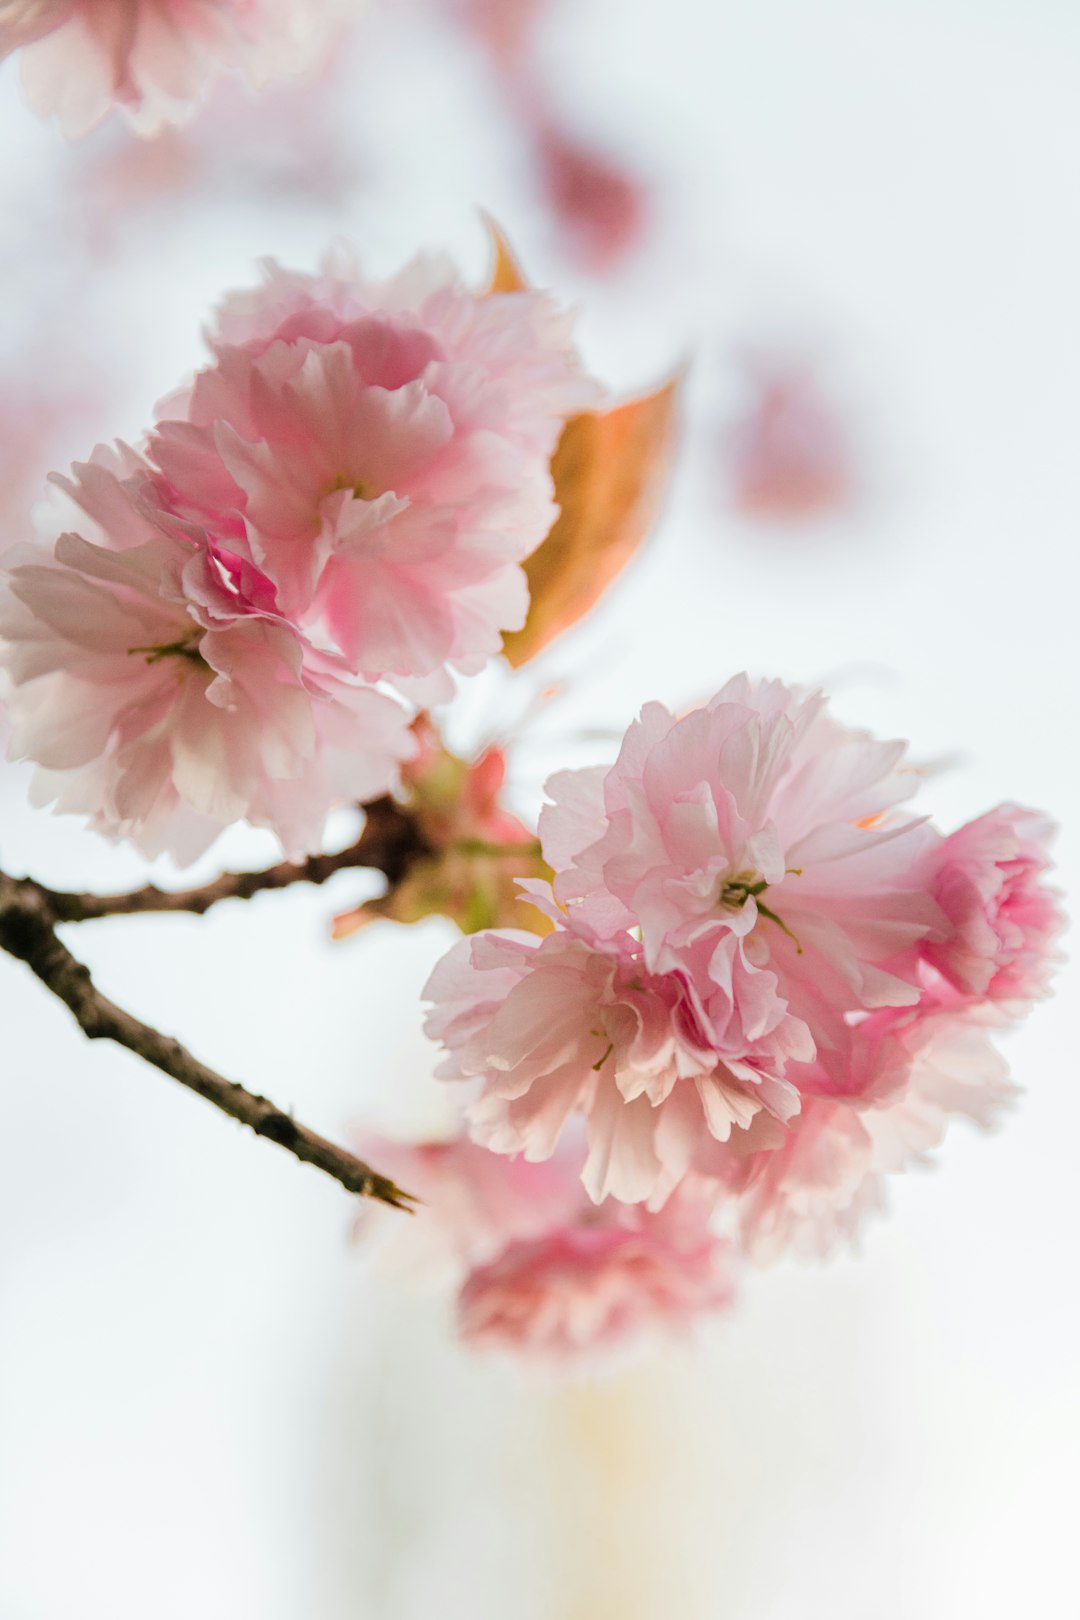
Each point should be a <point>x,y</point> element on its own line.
<point>28,931</point>
<point>389,843</point>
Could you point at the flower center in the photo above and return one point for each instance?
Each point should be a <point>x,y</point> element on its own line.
<point>186,647</point>
<point>357,487</point>
<point>736,891</point>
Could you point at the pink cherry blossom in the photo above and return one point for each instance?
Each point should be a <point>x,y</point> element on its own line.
<point>789,456</point>
<point>160,690</point>
<point>340,502</point>
<point>382,452</point>
<point>1003,919</point>
<point>599,203</point>
<point>153,59</point>
<point>593,1285</point>
<point>750,930</point>
<point>540,1270</point>
<point>759,835</point>
<point>474,1203</point>
<point>816,1189</point>
<point>564,1025</point>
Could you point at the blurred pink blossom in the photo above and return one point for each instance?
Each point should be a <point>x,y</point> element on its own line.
<point>475,1202</point>
<point>788,455</point>
<point>599,205</point>
<point>36,418</point>
<point>153,59</point>
<point>540,1270</point>
<point>600,1281</point>
<point>505,28</point>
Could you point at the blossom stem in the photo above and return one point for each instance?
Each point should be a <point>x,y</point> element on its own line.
<point>390,842</point>
<point>28,932</point>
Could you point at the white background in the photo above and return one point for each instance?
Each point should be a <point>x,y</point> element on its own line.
<point>212,1407</point>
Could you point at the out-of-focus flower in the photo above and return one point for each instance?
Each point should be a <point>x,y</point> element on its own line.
<point>35,417</point>
<point>478,851</point>
<point>505,28</point>
<point>1003,918</point>
<point>154,59</point>
<point>541,1271</point>
<point>600,1281</point>
<point>383,453</point>
<point>788,455</point>
<point>747,924</point>
<point>473,1202</point>
<point>162,693</point>
<point>599,205</point>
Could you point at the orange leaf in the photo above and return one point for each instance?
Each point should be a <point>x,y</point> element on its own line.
<point>506,273</point>
<point>610,471</point>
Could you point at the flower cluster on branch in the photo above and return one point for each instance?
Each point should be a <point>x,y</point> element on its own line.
<point>237,621</point>
<point>728,984</point>
<point>764,969</point>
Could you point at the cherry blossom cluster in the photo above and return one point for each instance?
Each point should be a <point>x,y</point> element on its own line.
<point>764,970</point>
<point>540,1270</point>
<point>153,60</point>
<point>239,618</point>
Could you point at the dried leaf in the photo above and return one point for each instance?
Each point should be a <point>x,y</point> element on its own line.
<point>610,470</point>
<point>506,273</point>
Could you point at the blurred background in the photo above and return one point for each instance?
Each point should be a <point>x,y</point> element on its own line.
<point>860,225</point>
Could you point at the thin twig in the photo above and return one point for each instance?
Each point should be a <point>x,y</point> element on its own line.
<point>389,843</point>
<point>28,931</point>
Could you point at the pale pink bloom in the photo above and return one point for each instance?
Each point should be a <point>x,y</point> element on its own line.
<point>758,841</point>
<point>747,924</point>
<point>789,456</point>
<point>816,1189</point>
<point>541,1270</point>
<point>597,1283</point>
<point>598,203</point>
<point>1003,918</point>
<point>505,28</point>
<point>567,1025</point>
<point>474,1203</point>
<point>35,419</point>
<point>154,59</point>
<point>381,451</point>
<point>162,693</point>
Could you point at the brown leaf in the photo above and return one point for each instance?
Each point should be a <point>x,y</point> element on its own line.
<point>506,273</point>
<point>610,470</point>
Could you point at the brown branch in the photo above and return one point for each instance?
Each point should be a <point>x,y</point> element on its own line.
<point>28,931</point>
<point>389,843</point>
